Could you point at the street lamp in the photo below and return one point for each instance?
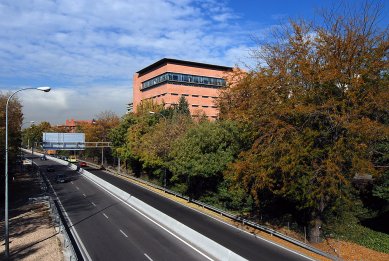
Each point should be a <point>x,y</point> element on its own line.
<point>164,178</point>
<point>44,89</point>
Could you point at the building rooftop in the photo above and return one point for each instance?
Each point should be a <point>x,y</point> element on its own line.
<point>165,61</point>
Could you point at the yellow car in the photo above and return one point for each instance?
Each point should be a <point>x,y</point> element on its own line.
<point>72,159</point>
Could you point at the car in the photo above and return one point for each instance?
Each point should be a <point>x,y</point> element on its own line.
<point>61,178</point>
<point>27,162</point>
<point>72,159</point>
<point>50,169</point>
<point>83,164</point>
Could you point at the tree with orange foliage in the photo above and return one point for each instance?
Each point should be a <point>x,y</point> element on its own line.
<point>316,106</point>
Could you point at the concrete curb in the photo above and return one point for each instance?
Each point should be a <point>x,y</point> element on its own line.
<point>201,242</point>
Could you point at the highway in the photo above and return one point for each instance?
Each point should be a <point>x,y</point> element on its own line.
<point>110,230</point>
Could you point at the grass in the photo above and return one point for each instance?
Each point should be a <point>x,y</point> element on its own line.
<point>366,237</point>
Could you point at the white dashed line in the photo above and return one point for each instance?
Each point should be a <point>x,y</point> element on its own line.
<point>123,233</point>
<point>84,195</point>
<point>77,188</point>
<point>149,258</point>
<point>105,215</point>
<point>93,204</point>
<point>72,182</point>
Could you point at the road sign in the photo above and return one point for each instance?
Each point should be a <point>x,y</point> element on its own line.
<point>63,141</point>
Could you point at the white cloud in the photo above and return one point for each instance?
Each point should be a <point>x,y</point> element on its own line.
<point>94,48</point>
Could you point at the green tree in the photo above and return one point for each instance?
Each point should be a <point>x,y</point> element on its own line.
<point>183,106</point>
<point>201,155</point>
<point>33,135</point>
<point>15,118</point>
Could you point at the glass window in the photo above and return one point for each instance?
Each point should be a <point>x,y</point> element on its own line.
<point>184,78</point>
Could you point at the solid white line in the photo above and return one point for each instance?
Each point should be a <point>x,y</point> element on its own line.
<point>168,231</point>
<point>123,233</point>
<point>105,215</point>
<point>93,204</point>
<point>84,252</point>
<point>256,236</point>
<point>149,258</point>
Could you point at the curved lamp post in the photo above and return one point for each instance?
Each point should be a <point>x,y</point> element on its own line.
<point>164,178</point>
<point>44,89</point>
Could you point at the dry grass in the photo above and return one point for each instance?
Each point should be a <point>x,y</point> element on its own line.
<point>32,232</point>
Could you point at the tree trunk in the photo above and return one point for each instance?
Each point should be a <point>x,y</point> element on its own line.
<point>315,230</point>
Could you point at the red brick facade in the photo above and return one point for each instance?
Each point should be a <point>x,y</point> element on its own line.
<point>200,94</point>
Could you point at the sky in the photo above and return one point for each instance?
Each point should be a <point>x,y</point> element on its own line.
<point>87,51</point>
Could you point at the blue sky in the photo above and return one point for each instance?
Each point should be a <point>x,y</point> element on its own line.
<point>88,51</point>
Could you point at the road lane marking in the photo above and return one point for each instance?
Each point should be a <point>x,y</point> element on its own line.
<point>123,233</point>
<point>83,251</point>
<point>149,258</point>
<point>105,215</point>
<point>77,188</point>
<point>93,204</point>
<point>84,195</point>
<point>151,220</point>
<point>72,182</point>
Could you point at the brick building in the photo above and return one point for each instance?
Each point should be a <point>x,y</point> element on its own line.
<point>72,124</point>
<point>168,79</point>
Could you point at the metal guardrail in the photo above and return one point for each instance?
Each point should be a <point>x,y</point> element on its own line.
<point>59,222</point>
<point>234,217</point>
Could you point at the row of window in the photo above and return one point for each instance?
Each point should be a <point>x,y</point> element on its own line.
<point>184,78</point>
<point>204,106</point>
<point>186,95</point>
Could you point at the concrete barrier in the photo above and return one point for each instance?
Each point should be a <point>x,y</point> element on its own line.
<point>207,245</point>
<point>201,242</point>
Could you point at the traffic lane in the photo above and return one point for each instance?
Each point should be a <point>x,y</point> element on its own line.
<point>97,237</point>
<point>89,208</point>
<point>238,241</point>
<point>100,239</point>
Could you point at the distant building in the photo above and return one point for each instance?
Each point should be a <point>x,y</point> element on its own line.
<point>168,79</point>
<point>72,124</point>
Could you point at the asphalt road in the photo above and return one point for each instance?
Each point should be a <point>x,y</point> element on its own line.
<point>240,242</point>
<point>108,228</point>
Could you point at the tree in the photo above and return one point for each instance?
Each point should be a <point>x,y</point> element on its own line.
<point>34,134</point>
<point>315,107</point>
<point>15,118</point>
<point>183,106</point>
<point>200,156</point>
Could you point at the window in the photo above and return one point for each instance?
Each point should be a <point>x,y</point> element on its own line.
<point>175,94</point>
<point>195,95</point>
<point>205,106</point>
<point>205,96</point>
<point>195,105</point>
<point>184,79</point>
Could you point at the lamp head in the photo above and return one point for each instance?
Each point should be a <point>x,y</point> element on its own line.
<point>151,112</point>
<point>44,88</point>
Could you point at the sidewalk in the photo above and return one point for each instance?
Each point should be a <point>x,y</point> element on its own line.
<point>32,232</point>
